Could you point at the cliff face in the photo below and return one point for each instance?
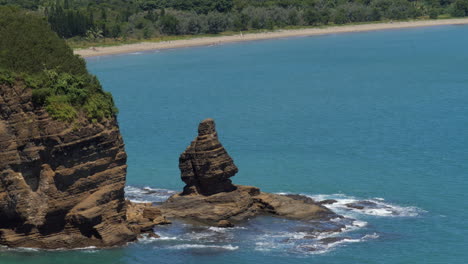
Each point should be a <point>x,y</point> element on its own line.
<point>61,185</point>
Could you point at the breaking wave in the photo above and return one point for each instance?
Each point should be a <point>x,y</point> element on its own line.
<point>201,246</point>
<point>147,194</point>
<point>373,207</point>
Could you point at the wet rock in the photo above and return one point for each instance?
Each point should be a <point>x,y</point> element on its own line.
<point>301,198</point>
<point>153,235</point>
<point>355,206</point>
<point>225,223</point>
<point>362,204</point>
<point>330,240</point>
<point>328,201</point>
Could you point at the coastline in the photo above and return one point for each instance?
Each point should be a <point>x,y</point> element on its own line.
<point>207,41</point>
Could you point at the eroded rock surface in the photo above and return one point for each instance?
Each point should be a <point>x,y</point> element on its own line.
<point>210,197</point>
<point>61,184</point>
<point>205,165</point>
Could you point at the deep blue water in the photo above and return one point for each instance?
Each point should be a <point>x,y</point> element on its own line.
<point>376,115</point>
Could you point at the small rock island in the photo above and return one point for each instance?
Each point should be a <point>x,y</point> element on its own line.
<point>210,198</point>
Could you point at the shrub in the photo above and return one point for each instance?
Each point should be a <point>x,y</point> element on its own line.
<point>169,24</point>
<point>60,108</point>
<point>217,22</point>
<point>30,52</point>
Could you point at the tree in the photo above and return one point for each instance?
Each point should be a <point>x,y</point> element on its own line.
<point>27,44</point>
<point>169,24</point>
<point>433,13</point>
<point>94,34</point>
<point>241,21</point>
<point>293,17</point>
<point>459,8</point>
<point>340,16</point>
<point>217,22</point>
<point>311,17</point>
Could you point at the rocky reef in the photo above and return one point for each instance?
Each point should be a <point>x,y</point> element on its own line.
<point>210,197</point>
<point>62,184</point>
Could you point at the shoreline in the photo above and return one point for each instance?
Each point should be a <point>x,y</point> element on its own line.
<point>208,41</point>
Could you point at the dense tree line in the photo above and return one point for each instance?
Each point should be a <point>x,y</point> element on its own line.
<point>33,54</point>
<point>93,19</point>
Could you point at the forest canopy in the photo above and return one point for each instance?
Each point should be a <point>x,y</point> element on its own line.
<point>94,19</point>
<point>30,52</point>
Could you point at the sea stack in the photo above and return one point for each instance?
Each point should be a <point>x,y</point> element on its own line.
<point>205,165</point>
<point>210,198</point>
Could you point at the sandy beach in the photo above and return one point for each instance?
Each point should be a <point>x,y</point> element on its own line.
<point>206,41</point>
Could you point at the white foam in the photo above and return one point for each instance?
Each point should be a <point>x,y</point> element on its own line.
<point>147,194</point>
<point>146,240</point>
<point>202,246</point>
<point>167,238</point>
<point>140,201</point>
<point>370,236</point>
<point>90,249</point>
<point>325,248</point>
<point>24,249</point>
<point>265,246</point>
<point>384,209</point>
<point>359,223</point>
<point>225,229</point>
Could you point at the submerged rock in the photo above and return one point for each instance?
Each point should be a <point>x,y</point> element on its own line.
<point>209,196</point>
<point>360,205</point>
<point>205,165</point>
<point>328,201</point>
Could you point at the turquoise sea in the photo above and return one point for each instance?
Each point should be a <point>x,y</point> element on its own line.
<point>380,116</point>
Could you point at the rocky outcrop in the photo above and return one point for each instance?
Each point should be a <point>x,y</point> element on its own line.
<point>61,184</point>
<point>210,198</point>
<point>205,165</point>
<point>142,217</point>
<point>236,206</point>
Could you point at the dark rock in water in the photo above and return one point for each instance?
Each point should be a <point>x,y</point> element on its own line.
<point>314,227</point>
<point>210,197</point>
<point>225,223</point>
<point>362,204</point>
<point>153,235</point>
<point>355,206</point>
<point>328,201</point>
<point>330,240</point>
<point>205,165</point>
<point>299,197</point>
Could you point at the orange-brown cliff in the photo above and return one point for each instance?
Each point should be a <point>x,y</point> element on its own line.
<point>62,184</point>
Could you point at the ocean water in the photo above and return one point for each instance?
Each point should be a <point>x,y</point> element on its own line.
<point>380,116</point>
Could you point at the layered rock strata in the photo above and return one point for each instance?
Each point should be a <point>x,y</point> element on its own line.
<point>61,184</point>
<point>205,165</point>
<point>210,198</point>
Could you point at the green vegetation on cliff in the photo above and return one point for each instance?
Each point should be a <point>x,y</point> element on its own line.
<point>30,52</point>
<point>92,20</point>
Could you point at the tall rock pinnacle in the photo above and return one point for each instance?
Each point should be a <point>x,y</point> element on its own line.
<point>205,165</point>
